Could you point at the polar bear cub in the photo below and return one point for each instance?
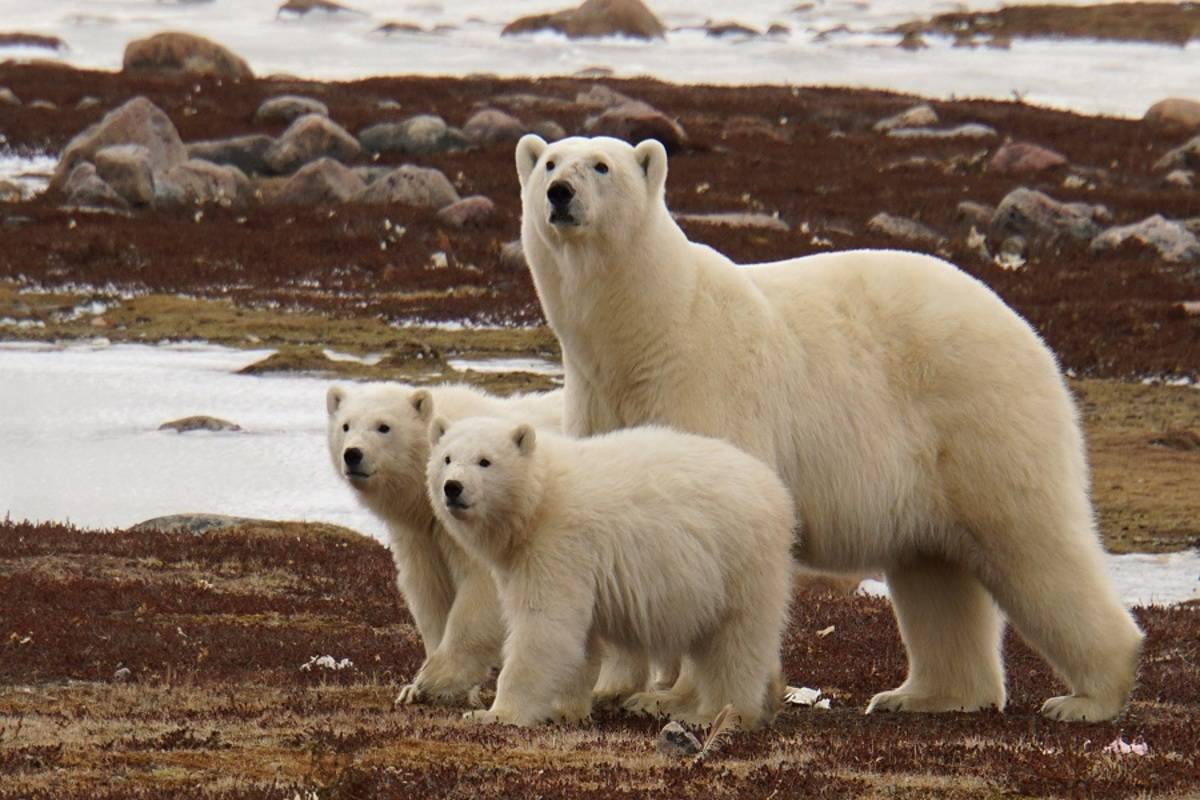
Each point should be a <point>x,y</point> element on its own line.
<point>669,544</point>
<point>378,438</point>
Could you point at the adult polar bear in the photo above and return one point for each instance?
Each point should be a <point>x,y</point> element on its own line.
<point>923,426</point>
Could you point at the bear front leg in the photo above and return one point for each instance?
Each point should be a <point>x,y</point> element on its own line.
<point>424,580</point>
<point>469,649</point>
<point>623,672</point>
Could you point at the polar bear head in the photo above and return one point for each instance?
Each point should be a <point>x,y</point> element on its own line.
<point>579,188</point>
<point>484,479</point>
<point>378,438</point>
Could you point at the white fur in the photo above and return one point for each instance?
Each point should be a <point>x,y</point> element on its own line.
<point>923,427</point>
<point>451,596</point>
<point>646,539</point>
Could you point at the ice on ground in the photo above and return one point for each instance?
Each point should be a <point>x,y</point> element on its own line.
<point>80,444</point>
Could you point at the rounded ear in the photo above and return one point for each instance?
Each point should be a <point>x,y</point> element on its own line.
<point>422,401</point>
<point>652,158</point>
<point>333,398</point>
<point>524,438</point>
<point>529,150</point>
<point>438,430</point>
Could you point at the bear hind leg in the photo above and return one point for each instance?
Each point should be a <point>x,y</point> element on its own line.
<point>951,629</point>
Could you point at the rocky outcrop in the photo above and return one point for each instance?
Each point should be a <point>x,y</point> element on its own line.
<point>137,122</point>
<point>1169,239</point>
<point>126,168</point>
<point>176,52</point>
<point>310,137</point>
<point>594,18</point>
<point>1029,214</point>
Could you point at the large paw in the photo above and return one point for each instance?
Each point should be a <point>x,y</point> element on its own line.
<point>659,703</point>
<point>489,717</point>
<point>907,700</point>
<point>409,694</point>
<point>1079,708</point>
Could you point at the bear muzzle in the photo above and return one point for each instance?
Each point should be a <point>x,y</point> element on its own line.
<point>560,195</point>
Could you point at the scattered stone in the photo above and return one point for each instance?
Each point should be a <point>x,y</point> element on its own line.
<point>491,125</point>
<point>903,228</point>
<point>736,219</point>
<point>415,186</point>
<point>175,52</point>
<point>753,126</point>
<point>1018,157</point>
<point>122,675</point>
<point>8,98</point>
<point>1174,113</point>
<point>126,168</point>
<point>676,741</point>
<point>310,137</point>
<point>468,211</point>
<point>370,174</point>
<point>594,72</point>
<point>1186,156</point>
<point>302,7</point>
<point>136,122</point>
<point>722,29</point>
<point>974,213</point>
<point>288,107</point>
<point>549,130</point>
<point>636,121</point>
<point>247,153</point>
<point>1171,239</point>
<point>191,523</point>
<point>42,105</point>
<point>419,135</point>
<point>323,182</point>
<point>200,422</point>
<point>512,256</point>
<point>82,171</point>
<point>594,18</point>
<point>90,191</point>
<point>1180,178</point>
<point>86,102</point>
<point>972,130</point>
<point>199,182</point>
<point>921,116</point>
<point>1026,212</point>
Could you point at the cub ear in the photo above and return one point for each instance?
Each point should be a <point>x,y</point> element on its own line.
<point>652,158</point>
<point>524,438</point>
<point>334,398</point>
<point>438,430</point>
<point>529,150</point>
<point>422,401</point>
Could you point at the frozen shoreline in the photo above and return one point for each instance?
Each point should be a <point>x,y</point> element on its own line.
<point>835,43</point>
<point>81,445</point>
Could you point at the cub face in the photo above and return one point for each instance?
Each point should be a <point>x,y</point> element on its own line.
<point>378,436</point>
<point>479,469</point>
<point>578,187</point>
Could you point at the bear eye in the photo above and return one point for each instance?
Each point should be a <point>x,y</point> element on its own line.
<point>384,428</point>
<point>483,462</point>
<point>549,166</point>
<point>602,168</point>
<point>447,459</point>
<point>345,427</point>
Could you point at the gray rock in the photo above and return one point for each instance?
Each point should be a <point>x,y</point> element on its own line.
<point>972,130</point>
<point>1171,239</point>
<point>921,116</point>
<point>600,96</point>
<point>288,108</point>
<point>199,182</point>
<point>1031,214</point>
<point>468,211</point>
<point>78,176</point>
<point>322,182</point>
<point>1174,112</point>
<point>122,675</point>
<point>199,422</point>
<point>308,138</point>
<point>415,186</point>
<point>126,168</point>
<point>1186,156</point>
<point>8,98</point>
<point>1017,157</point>
<point>492,125</point>
<point>905,229</point>
<point>191,523</point>
<point>91,191</point>
<point>173,52</point>
<point>736,219</point>
<point>676,741</point>
<point>419,135</point>
<point>247,153</point>
<point>371,174</point>
<point>136,122</point>
<point>42,105</point>
<point>86,102</point>
<point>974,213</point>
<point>549,130</point>
<point>636,121</point>
<point>1180,178</point>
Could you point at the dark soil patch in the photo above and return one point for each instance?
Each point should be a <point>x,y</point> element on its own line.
<point>213,629</point>
<point>1169,23</point>
<point>20,39</point>
<point>808,154</point>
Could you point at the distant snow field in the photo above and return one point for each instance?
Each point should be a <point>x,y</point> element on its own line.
<point>81,443</point>
<point>830,42</point>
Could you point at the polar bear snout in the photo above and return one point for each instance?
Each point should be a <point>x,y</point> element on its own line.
<point>355,469</point>
<point>560,194</point>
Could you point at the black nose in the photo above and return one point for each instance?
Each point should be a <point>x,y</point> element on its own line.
<point>452,489</point>
<point>559,193</point>
<point>352,456</point>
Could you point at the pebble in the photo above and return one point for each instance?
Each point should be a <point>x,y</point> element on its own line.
<point>676,741</point>
<point>922,116</point>
<point>1171,239</point>
<point>199,422</point>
